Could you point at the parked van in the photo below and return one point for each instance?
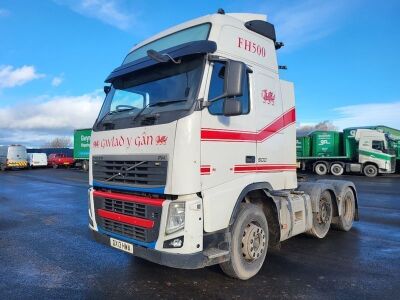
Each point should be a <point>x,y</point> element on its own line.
<point>13,156</point>
<point>37,160</point>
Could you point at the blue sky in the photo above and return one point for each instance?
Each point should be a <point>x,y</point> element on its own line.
<point>343,57</point>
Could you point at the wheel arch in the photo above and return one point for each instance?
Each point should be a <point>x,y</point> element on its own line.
<point>259,194</point>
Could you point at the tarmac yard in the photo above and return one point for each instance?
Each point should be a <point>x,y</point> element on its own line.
<point>46,251</point>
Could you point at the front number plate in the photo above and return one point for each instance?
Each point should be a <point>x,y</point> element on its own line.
<point>121,245</point>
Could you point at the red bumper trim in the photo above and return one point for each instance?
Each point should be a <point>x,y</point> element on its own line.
<point>125,219</point>
<point>129,198</point>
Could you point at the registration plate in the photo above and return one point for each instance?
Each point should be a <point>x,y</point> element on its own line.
<point>121,245</point>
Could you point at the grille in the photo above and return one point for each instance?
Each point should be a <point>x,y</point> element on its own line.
<point>130,231</point>
<point>393,164</point>
<point>129,208</point>
<point>146,173</point>
<point>126,208</point>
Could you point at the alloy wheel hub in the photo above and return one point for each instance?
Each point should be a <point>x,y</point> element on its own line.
<point>253,242</point>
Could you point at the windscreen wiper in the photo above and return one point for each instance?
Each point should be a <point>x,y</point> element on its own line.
<point>102,119</point>
<point>140,112</point>
<point>166,102</point>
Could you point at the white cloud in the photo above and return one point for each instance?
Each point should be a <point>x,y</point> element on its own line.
<point>11,76</point>
<point>57,80</point>
<point>56,116</point>
<point>107,11</point>
<point>4,12</point>
<point>308,21</point>
<point>369,114</point>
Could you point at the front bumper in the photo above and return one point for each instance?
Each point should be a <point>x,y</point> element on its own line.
<point>182,261</point>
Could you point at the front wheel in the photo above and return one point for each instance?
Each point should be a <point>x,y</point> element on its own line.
<point>370,171</point>
<point>249,243</point>
<point>55,166</point>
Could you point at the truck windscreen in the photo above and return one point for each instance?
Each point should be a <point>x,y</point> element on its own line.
<point>163,89</point>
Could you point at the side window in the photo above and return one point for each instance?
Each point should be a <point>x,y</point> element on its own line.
<point>217,88</point>
<point>378,145</point>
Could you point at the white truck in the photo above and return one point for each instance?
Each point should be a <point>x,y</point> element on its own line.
<point>193,155</point>
<point>13,157</point>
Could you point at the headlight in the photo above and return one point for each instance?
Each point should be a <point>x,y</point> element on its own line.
<point>176,217</point>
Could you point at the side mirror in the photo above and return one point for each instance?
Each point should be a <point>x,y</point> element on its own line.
<point>107,89</point>
<point>232,107</point>
<point>233,79</point>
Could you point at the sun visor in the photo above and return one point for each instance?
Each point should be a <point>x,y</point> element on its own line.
<point>190,48</point>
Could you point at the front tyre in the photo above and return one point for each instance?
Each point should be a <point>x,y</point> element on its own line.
<point>370,171</point>
<point>249,243</point>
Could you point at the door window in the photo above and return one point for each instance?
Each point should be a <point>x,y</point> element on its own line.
<point>378,145</point>
<point>217,88</point>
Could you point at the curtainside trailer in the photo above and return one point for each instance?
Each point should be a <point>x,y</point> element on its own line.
<point>363,151</point>
<point>82,148</point>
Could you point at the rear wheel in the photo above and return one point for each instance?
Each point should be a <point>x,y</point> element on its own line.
<point>370,171</point>
<point>322,219</point>
<point>55,166</point>
<point>321,169</point>
<point>249,243</point>
<point>85,166</point>
<point>337,169</point>
<point>347,204</point>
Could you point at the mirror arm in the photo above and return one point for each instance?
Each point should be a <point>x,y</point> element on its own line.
<point>210,101</point>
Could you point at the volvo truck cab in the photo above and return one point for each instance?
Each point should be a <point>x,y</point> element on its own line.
<point>192,159</point>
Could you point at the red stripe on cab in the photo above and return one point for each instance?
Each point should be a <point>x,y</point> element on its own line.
<point>263,168</point>
<point>125,219</point>
<point>222,135</point>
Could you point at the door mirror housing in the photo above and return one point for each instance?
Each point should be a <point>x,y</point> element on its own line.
<point>233,79</point>
<point>234,75</point>
<point>232,107</point>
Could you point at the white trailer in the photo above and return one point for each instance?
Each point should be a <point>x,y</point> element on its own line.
<point>13,156</point>
<point>193,155</point>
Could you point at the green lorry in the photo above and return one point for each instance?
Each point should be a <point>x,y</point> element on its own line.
<point>355,150</point>
<point>82,148</point>
<point>393,137</point>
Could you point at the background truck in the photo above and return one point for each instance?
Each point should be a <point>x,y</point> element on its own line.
<point>82,148</point>
<point>13,157</point>
<point>392,134</point>
<point>193,154</point>
<point>362,151</point>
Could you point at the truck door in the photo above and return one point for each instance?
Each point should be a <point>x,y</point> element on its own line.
<point>226,142</point>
